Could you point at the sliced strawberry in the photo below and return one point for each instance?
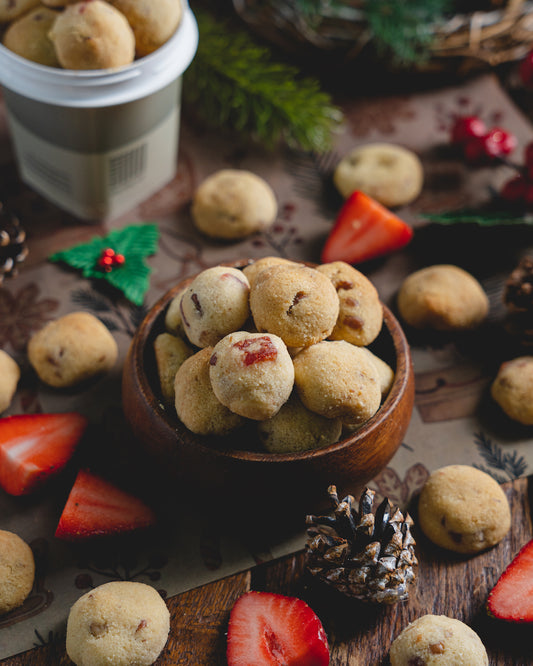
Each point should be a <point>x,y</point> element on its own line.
<point>271,629</point>
<point>511,598</point>
<point>35,447</point>
<point>96,507</point>
<point>363,230</point>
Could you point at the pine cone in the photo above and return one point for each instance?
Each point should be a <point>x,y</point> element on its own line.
<point>13,248</point>
<point>518,292</point>
<point>365,556</point>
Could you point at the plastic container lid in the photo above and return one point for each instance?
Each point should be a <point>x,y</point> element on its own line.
<point>100,88</point>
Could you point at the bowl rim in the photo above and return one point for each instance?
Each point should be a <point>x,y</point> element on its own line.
<point>402,380</point>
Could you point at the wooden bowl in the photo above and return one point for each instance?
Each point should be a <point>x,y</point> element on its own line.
<point>233,467</point>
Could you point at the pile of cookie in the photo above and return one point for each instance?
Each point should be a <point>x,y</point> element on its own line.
<point>83,35</point>
<point>277,343</point>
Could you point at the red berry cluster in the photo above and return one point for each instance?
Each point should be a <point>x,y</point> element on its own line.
<point>109,259</point>
<point>479,145</point>
<point>518,190</point>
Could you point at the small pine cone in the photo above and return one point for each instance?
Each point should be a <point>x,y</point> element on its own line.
<point>13,248</point>
<point>518,291</point>
<point>363,555</point>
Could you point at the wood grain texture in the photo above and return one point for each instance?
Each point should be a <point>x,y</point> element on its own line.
<point>359,634</point>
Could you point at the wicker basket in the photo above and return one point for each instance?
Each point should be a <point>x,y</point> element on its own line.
<point>497,32</point>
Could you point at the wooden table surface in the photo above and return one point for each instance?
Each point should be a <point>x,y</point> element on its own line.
<point>358,633</point>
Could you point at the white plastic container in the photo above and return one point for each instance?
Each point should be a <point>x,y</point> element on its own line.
<point>96,143</point>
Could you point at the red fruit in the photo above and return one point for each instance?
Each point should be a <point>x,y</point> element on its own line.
<point>484,149</point>
<point>514,190</point>
<point>500,141</point>
<point>474,150</point>
<point>511,598</point>
<point>36,447</point>
<point>466,127</point>
<point>526,69</point>
<point>267,629</point>
<point>96,507</point>
<point>363,230</point>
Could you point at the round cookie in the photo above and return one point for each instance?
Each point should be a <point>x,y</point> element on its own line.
<point>119,623</point>
<point>9,378</point>
<point>442,297</point>
<point>360,311</point>
<point>233,203</point>
<point>252,270</point>
<point>252,374</point>
<point>214,304</point>
<point>170,352</point>
<point>72,349</point>
<point>438,640</point>
<point>28,37</point>
<point>390,174</point>
<point>512,389</point>
<point>92,34</point>
<point>17,571</point>
<point>173,320</point>
<point>13,9</point>
<point>296,428</point>
<point>463,509</point>
<point>153,21</point>
<point>338,380</point>
<point>197,406</point>
<point>385,372</point>
<point>296,302</point>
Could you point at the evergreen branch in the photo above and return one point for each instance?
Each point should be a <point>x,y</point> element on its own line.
<point>405,29</point>
<point>484,218</point>
<point>234,83</point>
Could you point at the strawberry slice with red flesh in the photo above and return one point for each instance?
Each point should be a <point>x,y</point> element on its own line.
<point>35,447</point>
<point>271,629</point>
<point>96,507</point>
<point>364,230</point>
<point>511,598</point>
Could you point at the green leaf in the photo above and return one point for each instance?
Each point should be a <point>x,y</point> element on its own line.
<point>480,217</point>
<point>135,243</point>
<point>234,83</point>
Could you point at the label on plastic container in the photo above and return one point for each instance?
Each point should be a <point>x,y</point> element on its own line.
<point>99,185</point>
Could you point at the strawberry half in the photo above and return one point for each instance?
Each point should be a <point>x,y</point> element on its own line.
<point>511,598</point>
<point>35,447</point>
<point>96,507</point>
<point>364,230</point>
<point>271,629</point>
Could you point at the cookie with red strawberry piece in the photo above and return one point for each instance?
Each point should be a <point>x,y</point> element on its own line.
<point>97,508</point>
<point>36,447</point>
<point>267,629</point>
<point>511,599</point>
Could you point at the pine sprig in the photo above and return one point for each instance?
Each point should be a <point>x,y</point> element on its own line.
<point>405,29</point>
<point>234,83</point>
<point>483,218</point>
